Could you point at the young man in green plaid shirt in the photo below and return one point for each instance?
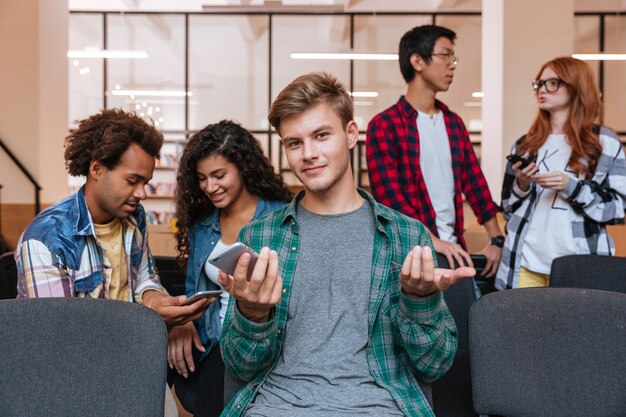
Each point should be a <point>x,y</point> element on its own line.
<point>344,312</point>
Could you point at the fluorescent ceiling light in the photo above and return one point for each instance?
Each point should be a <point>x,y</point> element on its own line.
<point>106,53</point>
<point>163,101</point>
<point>370,57</point>
<point>364,94</point>
<point>600,57</point>
<point>478,94</point>
<point>308,2</point>
<point>278,5</point>
<point>151,93</point>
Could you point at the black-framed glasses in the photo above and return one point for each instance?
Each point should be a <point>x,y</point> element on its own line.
<point>551,84</point>
<point>449,58</point>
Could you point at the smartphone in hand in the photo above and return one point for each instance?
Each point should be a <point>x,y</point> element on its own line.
<point>202,294</point>
<point>513,159</point>
<point>227,259</point>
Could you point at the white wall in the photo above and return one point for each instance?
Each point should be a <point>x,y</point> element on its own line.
<point>518,37</point>
<point>33,97</point>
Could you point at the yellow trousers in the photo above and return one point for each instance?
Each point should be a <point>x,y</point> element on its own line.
<point>528,279</point>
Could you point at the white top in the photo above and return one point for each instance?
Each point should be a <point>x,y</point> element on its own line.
<point>212,272</point>
<point>550,227</point>
<point>436,166</point>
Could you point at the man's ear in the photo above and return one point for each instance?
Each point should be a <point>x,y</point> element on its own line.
<point>352,132</point>
<point>96,169</point>
<point>417,62</point>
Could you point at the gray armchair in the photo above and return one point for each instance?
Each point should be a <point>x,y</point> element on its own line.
<point>595,272</point>
<point>64,357</point>
<point>555,352</point>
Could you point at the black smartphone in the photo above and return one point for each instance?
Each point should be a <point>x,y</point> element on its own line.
<point>513,159</point>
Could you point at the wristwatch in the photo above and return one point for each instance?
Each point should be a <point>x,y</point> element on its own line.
<point>497,241</point>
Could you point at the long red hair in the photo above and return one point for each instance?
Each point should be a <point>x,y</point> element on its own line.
<point>585,110</point>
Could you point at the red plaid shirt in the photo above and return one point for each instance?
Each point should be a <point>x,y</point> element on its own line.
<point>396,180</point>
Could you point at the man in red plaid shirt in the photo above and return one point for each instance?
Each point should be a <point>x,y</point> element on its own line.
<point>419,155</point>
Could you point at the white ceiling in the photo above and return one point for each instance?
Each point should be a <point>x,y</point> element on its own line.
<point>312,5</point>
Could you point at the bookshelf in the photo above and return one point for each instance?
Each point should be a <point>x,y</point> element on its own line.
<point>161,192</point>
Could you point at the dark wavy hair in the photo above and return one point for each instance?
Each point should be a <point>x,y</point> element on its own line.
<point>105,136</point>
<point>238,146</point>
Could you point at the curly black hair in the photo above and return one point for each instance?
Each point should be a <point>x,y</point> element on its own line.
<point>238,146</point>
<point>105,136</point>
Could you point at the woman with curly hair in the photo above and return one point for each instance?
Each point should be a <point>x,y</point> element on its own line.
<point>224,181</point>
<point>574,186</point>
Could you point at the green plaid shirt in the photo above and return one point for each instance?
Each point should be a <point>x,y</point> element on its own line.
<point>408,337</point>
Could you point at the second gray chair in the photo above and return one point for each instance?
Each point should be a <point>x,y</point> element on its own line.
<point>555,352</point>
<point>65,357</point>
<point>595,272</point>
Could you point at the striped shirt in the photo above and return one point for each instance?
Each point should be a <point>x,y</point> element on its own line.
<point>59,255</point>
<point>408,337</point>
<point>595,203</point>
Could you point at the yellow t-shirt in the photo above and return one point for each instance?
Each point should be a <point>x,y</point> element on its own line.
<point>111,239</point>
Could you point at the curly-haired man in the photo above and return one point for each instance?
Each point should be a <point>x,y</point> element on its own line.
<point>94,243</point>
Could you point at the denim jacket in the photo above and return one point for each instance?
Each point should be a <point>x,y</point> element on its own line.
<point>59,255</point>
<point>203,236</point>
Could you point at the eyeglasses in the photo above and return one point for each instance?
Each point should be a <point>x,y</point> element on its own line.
<point>449,58</point>
<point>551,84</point>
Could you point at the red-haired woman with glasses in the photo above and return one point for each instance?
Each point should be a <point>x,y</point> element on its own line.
<point>575,184</point>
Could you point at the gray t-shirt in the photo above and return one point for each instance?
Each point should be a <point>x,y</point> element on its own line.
<point>322,370</point>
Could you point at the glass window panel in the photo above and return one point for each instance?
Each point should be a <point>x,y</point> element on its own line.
<point>160,78</point>
<point>359,163</point>
<point>228,70</point>
<point>475,139</point>
<point>85,75</point>
<point>467,76</point>
<point>379,34</point>
<point>614,79</point>
<point>308,34</point>
<point>264,142</point>
<point>587,37</point>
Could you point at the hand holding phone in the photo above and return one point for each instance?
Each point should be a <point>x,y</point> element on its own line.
<point>227,259</point>
<point>202,294</point>
<point>257,290</point>
<point>514,158</point>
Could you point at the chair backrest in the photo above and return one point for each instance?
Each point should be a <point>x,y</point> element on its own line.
<point>595,272</point>
<point>75,357</point>
<point>555,352</point>
<point>8,276</point>
<point>172,278</point>
<point>452,393</point>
